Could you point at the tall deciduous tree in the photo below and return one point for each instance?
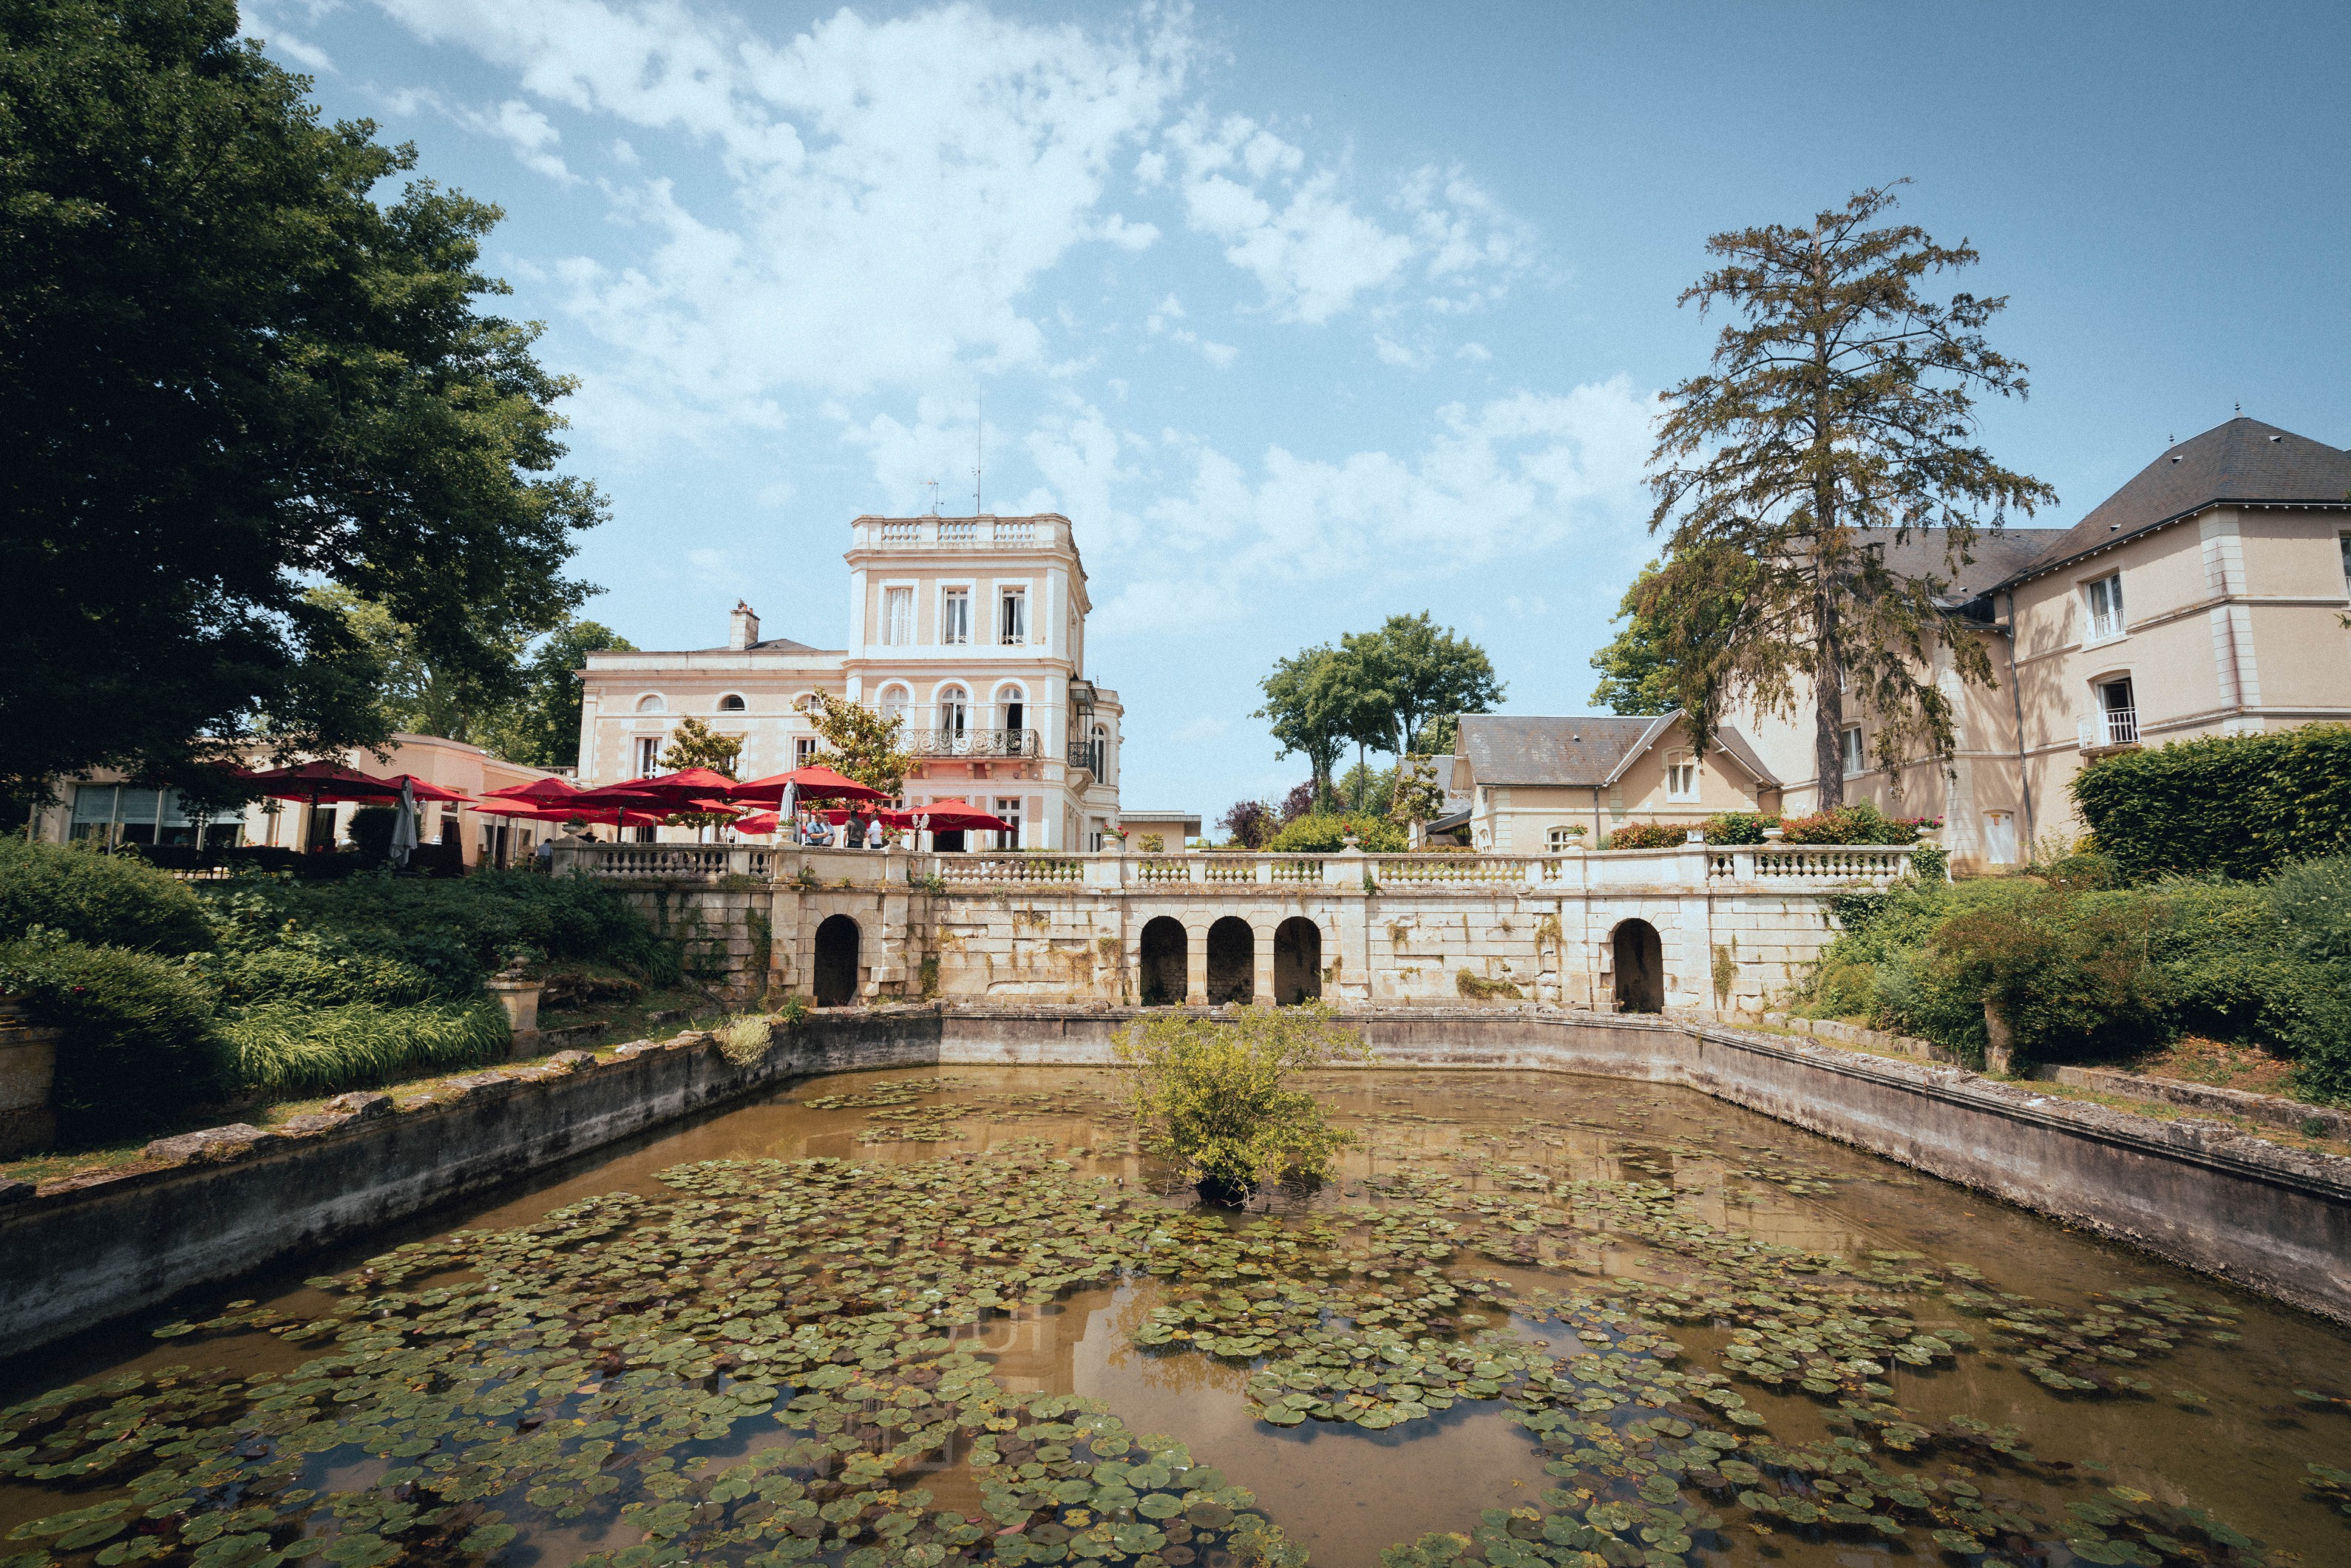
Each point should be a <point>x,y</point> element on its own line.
<point>1413,670</point>
<point>1634,677</point>
<point>1300,710</point>
<point>228,373</point>
<point>1839,417</point>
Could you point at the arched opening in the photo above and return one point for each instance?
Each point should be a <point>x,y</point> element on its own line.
<point>730,703</point>
<point>836,962</point>
<point>955,712</point>
<point>1640,960</point>
<point>651,703</point>
<point>1165,955</point>
<point>1232,961</point>
<point>893,702</point>
<point>1297,961</point>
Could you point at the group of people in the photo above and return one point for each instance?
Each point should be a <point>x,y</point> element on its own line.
<point>812,829</point>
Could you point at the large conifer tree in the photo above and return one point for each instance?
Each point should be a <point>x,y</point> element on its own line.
<point>1839,417</point>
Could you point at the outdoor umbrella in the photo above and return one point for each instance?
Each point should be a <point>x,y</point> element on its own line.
<point>404,826</point>
<point>320,783</point>
<point>810,783</point>
<point>546,791</point>
<point>945,817</point>
<point>762,822</point>
<point>629,796</point>
<point>425,789</point>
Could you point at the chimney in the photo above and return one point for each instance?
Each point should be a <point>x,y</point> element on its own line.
<point>742,627</point>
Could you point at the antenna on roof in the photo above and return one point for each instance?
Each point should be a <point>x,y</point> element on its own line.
<point>978,452</point>
<point>2240,408</point>
<point>934,484</point>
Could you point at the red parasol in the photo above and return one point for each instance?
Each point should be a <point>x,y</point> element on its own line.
<point>762,822</point>
<point>317,782</point>
<point>547,791</point>
<point>810,783</point>
<point>422,790</point>
<point>945,817</point>
<point>700,784</point>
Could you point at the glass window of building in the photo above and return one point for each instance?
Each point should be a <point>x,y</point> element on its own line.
<point>955,616</point>
<point>898,617</point>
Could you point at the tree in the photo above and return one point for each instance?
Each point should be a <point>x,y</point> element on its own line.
<point>227,374</point>
<point>1839,418</point>
<point>1249,823</point>
<point>694,744</point>
<point>1417,795</point>
<point>1410,672</point>
<point>865,745</point>
<point>1219,1098</point>
<point>1301,710</point>
<point>1633,675</point>
<point>541,727</point>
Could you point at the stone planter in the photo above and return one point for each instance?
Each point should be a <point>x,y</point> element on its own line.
<point>519,994</point>
<point>28,1062</point>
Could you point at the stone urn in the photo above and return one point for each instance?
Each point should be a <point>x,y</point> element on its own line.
<point>517,993</point>
<point>28,1062</point>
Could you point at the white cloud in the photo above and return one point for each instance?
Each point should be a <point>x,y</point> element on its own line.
<point>1160,323</point>
<point>1502,481</point>
<point>897,185</point>
<point>528,133</point>
<point>1473,351</point>
<point>1392,353</point>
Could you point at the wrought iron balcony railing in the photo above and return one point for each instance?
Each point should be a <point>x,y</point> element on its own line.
<point>973,742</point>
<point>1088,755</point>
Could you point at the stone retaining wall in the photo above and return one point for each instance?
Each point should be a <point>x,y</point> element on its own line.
<point>81,1251</point>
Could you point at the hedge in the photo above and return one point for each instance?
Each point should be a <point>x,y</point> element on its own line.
<point>115,901</point>
<point>141,1047</point>
<point>2235,806</point>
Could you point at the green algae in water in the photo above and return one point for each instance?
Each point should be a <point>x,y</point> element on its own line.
<point>770,1363</point>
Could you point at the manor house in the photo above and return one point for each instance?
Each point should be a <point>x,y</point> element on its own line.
<point>2205,597</point>
<point>973,630</point>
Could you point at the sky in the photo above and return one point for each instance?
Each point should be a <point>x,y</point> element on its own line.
<point>1311,314</point>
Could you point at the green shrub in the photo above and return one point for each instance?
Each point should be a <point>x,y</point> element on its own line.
<point>371,831</point>
<point>1214,1096</point>
<point>1739,827</point>
<point>288,1048</point>
<point>459,931</point>
<point>1646,836</point>
<point>2237,806</point>
<point>140,1046</point>
<point>1318,834</point>
<point>108,900</point>
<point>1858,824</point>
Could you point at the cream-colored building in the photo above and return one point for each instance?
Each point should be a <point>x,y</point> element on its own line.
<point>2205,597</point>
<point>971,629</point>
<point>1541,786</point>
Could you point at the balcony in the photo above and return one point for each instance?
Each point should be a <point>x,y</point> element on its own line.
<point>1088,755</point>
<point>973,743</point>
<point>2111,729</point>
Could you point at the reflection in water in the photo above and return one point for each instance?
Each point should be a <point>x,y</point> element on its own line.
<point>1564,1209</point>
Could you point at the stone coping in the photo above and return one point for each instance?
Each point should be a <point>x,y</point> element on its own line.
<point>207,1207</point>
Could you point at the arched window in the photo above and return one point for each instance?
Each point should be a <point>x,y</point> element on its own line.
<point>1012,711</point>
<point>730,703</point>
<point>893,702</point>
<point>954,710</point>
<point>651,703</point>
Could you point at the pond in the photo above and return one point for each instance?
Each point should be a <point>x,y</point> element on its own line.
<point>953,1316</point>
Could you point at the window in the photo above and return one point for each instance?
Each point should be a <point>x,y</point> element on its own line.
<point>2118,713</point>
<point>651,703</point>
<point>2105,597</point>
<point>1559,840</point>
<point>803,750</point>
<point>955,616</point>
<point>1681,777</point>
<point>1008,808</point>
<point>649,750</point>
<point>125,814</point>
<point>730,703</point>
<point>955,711</point>
<point>1850,751</point>
<point>1014,711</point>
<point>1012,618</point>
<point>1999,837</point>
<point>898,617</point>
<point>893,702</point>
<point>2344,540</point>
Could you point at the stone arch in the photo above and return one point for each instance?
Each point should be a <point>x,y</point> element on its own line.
<point>836,961</point>
<point>1297,961</point>
<point>1167,958</point>
<point>651,703</point>
<point>1639,956</point>
<point>1232,961</point>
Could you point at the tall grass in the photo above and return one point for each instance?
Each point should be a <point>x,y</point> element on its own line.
<point>290,1048</point>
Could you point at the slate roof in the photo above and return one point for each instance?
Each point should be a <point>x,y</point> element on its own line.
<point>2243,462</point>
<point>1994,558</point>
<point>1584,751</point>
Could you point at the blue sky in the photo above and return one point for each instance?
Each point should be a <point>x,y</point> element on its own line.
<point>1308,314</point>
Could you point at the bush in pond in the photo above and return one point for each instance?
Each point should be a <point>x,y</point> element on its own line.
<point>139,1045</point>
<point>115,901</point>
<point>1215,1096</point>
<point>288,1048</point>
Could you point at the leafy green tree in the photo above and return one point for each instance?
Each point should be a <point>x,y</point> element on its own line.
<point>1840,415</point>
<point>1411,672</point>
<point>863,745</point>
<point>694,744</point>
<point>1303,708</point>
<point>541,727</point>
<point>1633,675</point>
<point>227,373</point>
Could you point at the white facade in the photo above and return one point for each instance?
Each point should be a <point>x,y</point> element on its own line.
<point>971,628</point>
